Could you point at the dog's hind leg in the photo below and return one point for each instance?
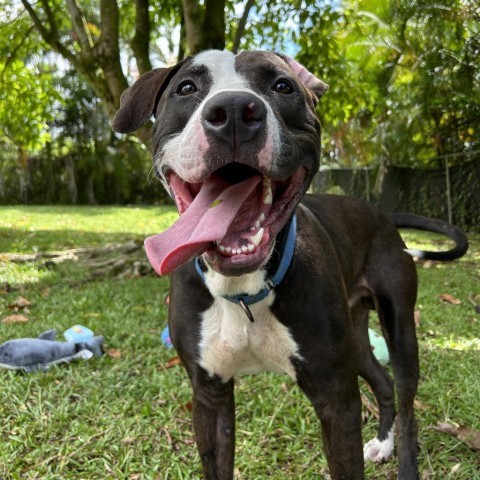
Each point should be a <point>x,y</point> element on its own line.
<point>404,357</point>
<point>214,424</point>
<point>396,302</point>
<point>380,448</point>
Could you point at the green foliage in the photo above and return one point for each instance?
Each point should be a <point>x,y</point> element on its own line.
<point>404,80</point>
<point>404,77</point>
<point>28,96</point>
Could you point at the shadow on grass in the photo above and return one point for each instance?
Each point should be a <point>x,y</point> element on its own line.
<point>17,240</point>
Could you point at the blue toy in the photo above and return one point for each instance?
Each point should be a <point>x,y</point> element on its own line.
<point>166,340</point>
<point>379,347</point>
<point>33,354</point>
<point>78,334</point>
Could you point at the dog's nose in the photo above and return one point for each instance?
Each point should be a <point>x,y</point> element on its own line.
<point>234,117</point>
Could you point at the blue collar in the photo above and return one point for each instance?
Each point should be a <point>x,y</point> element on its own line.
<point>286,258</point>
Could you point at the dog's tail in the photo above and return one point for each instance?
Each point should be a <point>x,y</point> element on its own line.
<point>407,220</point>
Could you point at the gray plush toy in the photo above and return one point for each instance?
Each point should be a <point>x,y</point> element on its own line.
<point>32,354</point>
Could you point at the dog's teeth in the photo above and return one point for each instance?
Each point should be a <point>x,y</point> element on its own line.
<point>222,248</point>
<point>244,249</point>
<point>228,249</point>
<point>251,247</point>
<point>267,182</point>
<point>259,222</point>
<point>267,196</point>
<point>257,238</point>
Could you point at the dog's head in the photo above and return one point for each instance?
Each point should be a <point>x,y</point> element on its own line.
<point>235,132</point>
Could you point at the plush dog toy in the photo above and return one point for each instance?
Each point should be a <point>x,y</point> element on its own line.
<point>33,354</point>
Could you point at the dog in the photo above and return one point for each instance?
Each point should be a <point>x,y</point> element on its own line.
<point>265,276</point>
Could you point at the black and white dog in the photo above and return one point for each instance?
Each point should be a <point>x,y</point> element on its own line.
<point>263,280</point>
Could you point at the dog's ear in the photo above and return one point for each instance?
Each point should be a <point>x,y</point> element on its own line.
<point>138,102</point>
<point>314,84</point>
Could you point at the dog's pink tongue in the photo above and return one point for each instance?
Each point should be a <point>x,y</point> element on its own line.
<point>206,220</point>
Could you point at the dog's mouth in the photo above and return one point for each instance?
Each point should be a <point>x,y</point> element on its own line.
<point>232,218</point>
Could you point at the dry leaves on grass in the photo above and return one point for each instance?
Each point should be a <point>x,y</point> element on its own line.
<point>173,362</point>
<point>417,316</point>
<point>466,435</point>
<point>20,303</point>
<point>15,318</point>
<point>450,299</point>
<point>114,353</point>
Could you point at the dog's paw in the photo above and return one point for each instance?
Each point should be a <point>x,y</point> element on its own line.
<point>379,451</point>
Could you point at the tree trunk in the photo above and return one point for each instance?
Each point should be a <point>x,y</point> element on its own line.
<point>141,40</point>
<point>204,24</point>
<point>91,190</point>
<point>2,190</point>
<point>72,182</point>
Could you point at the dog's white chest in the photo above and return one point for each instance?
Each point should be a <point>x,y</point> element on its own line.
<point>232,345</point>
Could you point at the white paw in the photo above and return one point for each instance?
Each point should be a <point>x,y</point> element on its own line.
<point>378,451</point>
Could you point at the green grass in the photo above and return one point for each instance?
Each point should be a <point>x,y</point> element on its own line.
<point>127,418</point>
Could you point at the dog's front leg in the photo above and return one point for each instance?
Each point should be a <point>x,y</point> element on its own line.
<point>336,400</point>
<point>214,425</point>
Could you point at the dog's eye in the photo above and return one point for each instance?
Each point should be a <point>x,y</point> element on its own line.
<point>186,88</point>
<point>282,86</point>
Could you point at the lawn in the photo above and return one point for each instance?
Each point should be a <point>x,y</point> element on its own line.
<point>127,416</point>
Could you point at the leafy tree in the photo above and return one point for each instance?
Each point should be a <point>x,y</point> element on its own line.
<point>92,35</point>
<point>404,78</point>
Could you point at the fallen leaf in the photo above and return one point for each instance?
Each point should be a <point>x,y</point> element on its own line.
<point>114,353</point>
<point>15,318</point>
<point>20,302</point>
<point>420,405</point>
<point>417,315</point>
<point>467,435</point>
<point>188,406</point>
<point>455,468</point>
<point>128,440</point>
<point>173,362</point>
<point>447,298</point>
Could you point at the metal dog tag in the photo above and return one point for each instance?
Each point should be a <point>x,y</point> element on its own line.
<point>246,310</point>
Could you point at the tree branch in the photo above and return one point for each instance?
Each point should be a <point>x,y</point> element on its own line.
<point>50,37</point>
<point>241,25</point>
<point>50,18</point>
<point>192,14</point>
<point>78,24</point>
<point>141,40</point>
<point>108,54</point>
<point>214,25</point>
<point>37,22</point>
<point>11,56</point>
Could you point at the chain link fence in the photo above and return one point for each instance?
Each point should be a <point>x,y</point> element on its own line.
<point>451,193</point>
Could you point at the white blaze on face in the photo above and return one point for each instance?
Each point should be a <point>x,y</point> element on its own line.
<point>185,153</point>
<point>221,65</point>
